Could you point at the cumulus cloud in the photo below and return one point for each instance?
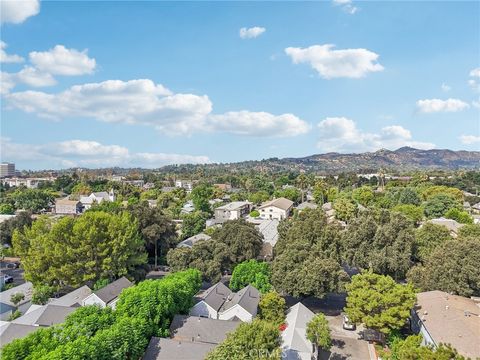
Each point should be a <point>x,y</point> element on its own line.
<point>438,105</point>
<point>329,63</point>
<point>34,77</point>
<point>251,33</point>
<point>7,58</point>
<point>469,139</point>
<point>346,5</point>
<point>7,82</point>
<point>144,102</point>
<point>475,81</point>
<point>63,61</point>
<point>341,134</point>
<point>17,11</point>
<point>258,124</point>
<point>84,153</point>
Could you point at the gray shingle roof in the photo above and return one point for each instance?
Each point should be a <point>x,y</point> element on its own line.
<point>11,331</point>
<point>73,298</point>
<point>193,239</point>
<point>26,289</point>
<point>112,290</point>
<point>294,339</point>
<point>199,329</point>
<point>280,203</point>
<point>248,298</point>
<point>54,314</point>
<point>234,205</point>
<point>216,295</point>
<point>168,349</point>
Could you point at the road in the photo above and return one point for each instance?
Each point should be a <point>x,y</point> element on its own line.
<point>17,274</point>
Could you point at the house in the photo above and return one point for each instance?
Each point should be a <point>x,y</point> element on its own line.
<point>200,329</point>
<point>7,307</point>
<point>452,225</point>
<point>269,230</point>
<point>306,205</point>
<point>108,295</point>
<point>276,209</point>
<point>44,315</point>
<point>232,211</point>
<point>188,207</point>
<point>295,345</point>
<point>187,185</point>
<point>11,331</point>
<point>242,305</point>
<point>169,349</point>
<point>449,319</point>
<point>67,206</point>
<point>210,301</point>
<point>224,187</point>
<point>192,240</point>
<point>96,198</point>
<point>74,298</point>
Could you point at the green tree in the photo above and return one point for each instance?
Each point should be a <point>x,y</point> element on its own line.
<point>345,209</point>
<point>318,332</point>
<point>437,205</point>
<point>15,315</point>
<point>254,214</point>
<point>7,209</point>
<point>378,301</point>
<point>250,341</point>
<point>469,232</point>
<point>451,267</point>
<point>81,189</point>
<point>272,308</point>
<point>452,192</point>
<point>32,199</point>
<point>200,196</point>
<point>409,196</point>
<point>290,193</point>
<point>428,237</point>
<point>23,218</point>
<point>363,195</point>
<point>16,298</point>
<point>71,252</point>
<point>41,294</point>
<point>193,223</point>
<point>412,212</point>
<point>462,217</point>
<point>251,272</point>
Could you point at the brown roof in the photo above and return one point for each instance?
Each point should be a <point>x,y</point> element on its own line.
<point>280,203</point>
<point>66,201</point>
<point>451,319</point>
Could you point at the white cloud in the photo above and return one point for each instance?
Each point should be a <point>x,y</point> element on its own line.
<point>251,33</point>
<point>258,124</point>
<point>341,134</point>
<point>7,82</point>
<point>438,105</point>
<point>475,82</point>
<point>475,72</point>
<point>445,88</point>
<point>83,153</point>
<point>6,58</point>
<point>144,102</point>
<point>469,139</point>
<point>329,63</point>
<point>34,77</point>
<point>17,11</point>
<point>63,61</point>
<point>346,5</point>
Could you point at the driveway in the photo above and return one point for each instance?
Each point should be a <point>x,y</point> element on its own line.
<point>17,274</point>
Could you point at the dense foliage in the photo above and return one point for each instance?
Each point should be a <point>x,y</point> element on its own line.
<point>272,308</point>
<point>251,272</point>
<point>318,332</point>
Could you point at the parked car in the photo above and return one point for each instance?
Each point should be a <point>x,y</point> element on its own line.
<point>347,325</point>
<point>12,265</point>
<point>8,279</point>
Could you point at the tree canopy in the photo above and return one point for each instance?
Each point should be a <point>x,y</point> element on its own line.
<point>318,332</point>
<point>251,272</point>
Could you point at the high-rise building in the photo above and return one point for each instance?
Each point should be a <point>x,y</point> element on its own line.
<point>7,169</point>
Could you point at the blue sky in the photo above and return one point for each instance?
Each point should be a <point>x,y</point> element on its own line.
<point>101,84</point>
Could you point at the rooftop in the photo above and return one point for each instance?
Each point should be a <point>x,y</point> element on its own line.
<point>113,290</point>
<point>216,295</point>
<point>193,239</point>
<point>169,349</point>
<point>280,203</point>
<point>26,289</point>
<point>234,205</point>
<point>451,319</point>
<point>248,298</point>
<point>11,331</point>
<point>294,337</point>
<point>73,298</point>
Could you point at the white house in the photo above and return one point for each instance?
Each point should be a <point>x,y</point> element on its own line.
<point>210,301</point>
<point>96,198</point>
<point>295,345</point>
<point>108,295</point>
<point>276,209</point>
<point>232,211</point>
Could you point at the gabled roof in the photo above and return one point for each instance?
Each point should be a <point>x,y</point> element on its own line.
<point>200,329</point>
<point>193,239</point>
<point>216,295</point>
<point>269,230</point>
<point>66,201</point>
<point>45,315</point>
<point>234,205</point>
<point>307,205</point>
<point>294,336</point>
<point>26,289</point>
<point>169,349</point>
<point>280,203</point>
<point>113,290</point>
<point>248,298</point>
<point>73,298</point>
<point>11,331</point>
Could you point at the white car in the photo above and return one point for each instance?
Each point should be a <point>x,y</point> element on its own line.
<point>347,325</point>
<point>8,279</point>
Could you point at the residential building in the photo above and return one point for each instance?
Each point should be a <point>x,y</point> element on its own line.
<point>169,349</point>
<point>276,209</point>
<point>192,240</point>
<point>30,183</point>
<point>200,329</point>
<point>209,302</point>
<point>108,295</point>
<point>96,198</point>
<point>242,305</point>
<point>74,298</point>
<point>11,331</point>
<point>187,185</point>
<point>188,207</point>
<point>45,315</point>
<point>7,307</point>
<point>7,169</point>
<point>68,207</point>
<point>224,187</point>
<point>232,211</point>
<point>269,230</point>
<point>306,205</point>
<point>449,319</point>
<point>295,345</point>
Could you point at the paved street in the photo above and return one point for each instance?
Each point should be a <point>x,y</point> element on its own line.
<point>17,274</point>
